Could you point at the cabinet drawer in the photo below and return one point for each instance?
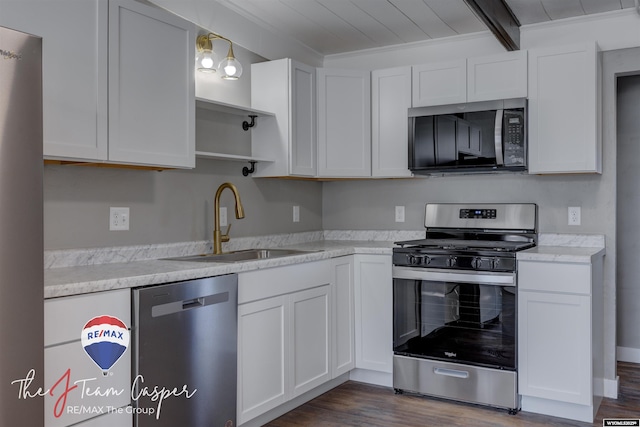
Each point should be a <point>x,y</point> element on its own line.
<point>59,359</point>
<point>563,277</point>
<point>65,317</point>
<point>270,282</point>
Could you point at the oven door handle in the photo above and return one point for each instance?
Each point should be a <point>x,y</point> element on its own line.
<point>459,276</point>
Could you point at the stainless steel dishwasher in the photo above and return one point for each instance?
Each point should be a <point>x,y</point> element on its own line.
<point>184,349</point>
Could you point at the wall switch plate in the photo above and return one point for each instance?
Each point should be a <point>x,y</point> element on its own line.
<point>223,216</point>
<point>296,214</point>
<point>574,215</point>
<point>399,213</point>
<point>119,219</point>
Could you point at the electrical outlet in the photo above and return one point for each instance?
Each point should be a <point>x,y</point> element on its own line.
<point>119,219</point>
<point>223,217</point>
<point>296,214</point>
<point>574,215</point>
<point>399,213</point>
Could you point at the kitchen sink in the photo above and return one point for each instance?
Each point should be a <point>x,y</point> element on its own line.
<point>244,255</point>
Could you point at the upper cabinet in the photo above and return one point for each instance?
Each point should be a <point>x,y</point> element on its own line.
<point>390,100</point>
<point>288,89</point>
<point>117,80</point>
<point>151,86</point>
<point>344,123</point>
<point>501,76</point>
<point>322,126</point>
<point>440,84</point>
<point>74,77</point>
<point>486,78</point>
<point>564,110</point>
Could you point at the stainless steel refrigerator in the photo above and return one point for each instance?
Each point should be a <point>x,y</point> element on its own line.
<point>21,227</point>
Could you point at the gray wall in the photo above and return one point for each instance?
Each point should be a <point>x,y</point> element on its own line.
<point>370,204</point>
<point>628,269</point>
<point>168,206</point>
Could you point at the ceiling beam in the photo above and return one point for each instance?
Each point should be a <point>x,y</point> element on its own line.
<point>497,15</point>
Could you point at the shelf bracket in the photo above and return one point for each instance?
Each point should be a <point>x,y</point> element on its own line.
<point>246,171</point>
<point>246,125</point>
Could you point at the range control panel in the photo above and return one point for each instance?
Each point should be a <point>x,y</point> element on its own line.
<point>478,213</point>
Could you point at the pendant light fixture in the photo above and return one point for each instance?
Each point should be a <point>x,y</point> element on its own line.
<point>206,60</point>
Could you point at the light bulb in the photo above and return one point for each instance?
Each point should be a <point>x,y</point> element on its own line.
<point>205,61</point>
<point>230,70</point>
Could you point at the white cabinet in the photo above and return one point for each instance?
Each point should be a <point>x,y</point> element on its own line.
<point>311,347</point>
<point>564,109</point>
<point>114,419</point>
<point>373,313</point>
<point>560,337</point>
<point>74,78</point>
<point>344,123</point>
<point>342,269</point>
<point>390,101</point>
<point>288,89</point>
<point>263,356</point>
<point>440,83</point>
<point>500,76</point>
<point>64,357</point>
<point>284,335</point>
<point>151,86</point>
<point>117,80</point>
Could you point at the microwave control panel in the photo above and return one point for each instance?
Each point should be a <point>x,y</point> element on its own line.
<point>514,138</point>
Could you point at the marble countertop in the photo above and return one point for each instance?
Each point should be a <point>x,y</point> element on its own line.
<point>75,272</point>
<point>561,254</point>
<point>95,278</point>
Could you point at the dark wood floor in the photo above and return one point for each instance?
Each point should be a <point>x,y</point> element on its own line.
<point>357,404</point>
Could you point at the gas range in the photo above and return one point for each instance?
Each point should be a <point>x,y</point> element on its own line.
<point>481,237</point>
<point>455,303</point>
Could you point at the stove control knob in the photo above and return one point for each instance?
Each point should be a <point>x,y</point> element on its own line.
<point>414,260</point>
<point>476,263</point>
<point>452,261</point>
<point>495,264</point>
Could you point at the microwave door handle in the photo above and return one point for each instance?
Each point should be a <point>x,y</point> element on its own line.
<point>498,137</point>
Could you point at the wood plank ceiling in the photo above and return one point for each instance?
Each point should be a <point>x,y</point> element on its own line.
<point>336,26</point>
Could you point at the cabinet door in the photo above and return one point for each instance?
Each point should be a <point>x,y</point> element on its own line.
<point>564,110</point>
<point>343,325</point>
<point>501,76</point>
<point>344,123</point>
<point>440,84</point>
<point>151,86</point>
<point>390,101</point>
<point>374,312</point>
<point>310,339</point>
<point>554,346</point>
<point>263,356</point>
<point>74,77</point>
<point>270,91</point>
<point>303,120</point>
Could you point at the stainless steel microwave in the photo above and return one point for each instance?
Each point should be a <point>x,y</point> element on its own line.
<point>476,137</point>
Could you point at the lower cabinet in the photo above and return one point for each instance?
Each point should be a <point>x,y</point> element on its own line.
<point>373,318</point>
<point>293,335</point>
<point>67,364</point>
<point>560,338</point>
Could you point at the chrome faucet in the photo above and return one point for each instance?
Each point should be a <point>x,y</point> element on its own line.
<point>218,237</point>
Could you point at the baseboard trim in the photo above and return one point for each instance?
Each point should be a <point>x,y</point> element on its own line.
<point>628,354</point>
<point>611,388</point>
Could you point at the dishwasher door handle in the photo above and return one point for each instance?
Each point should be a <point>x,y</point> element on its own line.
<point>190,304</point>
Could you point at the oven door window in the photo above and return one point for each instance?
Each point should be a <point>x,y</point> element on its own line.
<point>455,322</point>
